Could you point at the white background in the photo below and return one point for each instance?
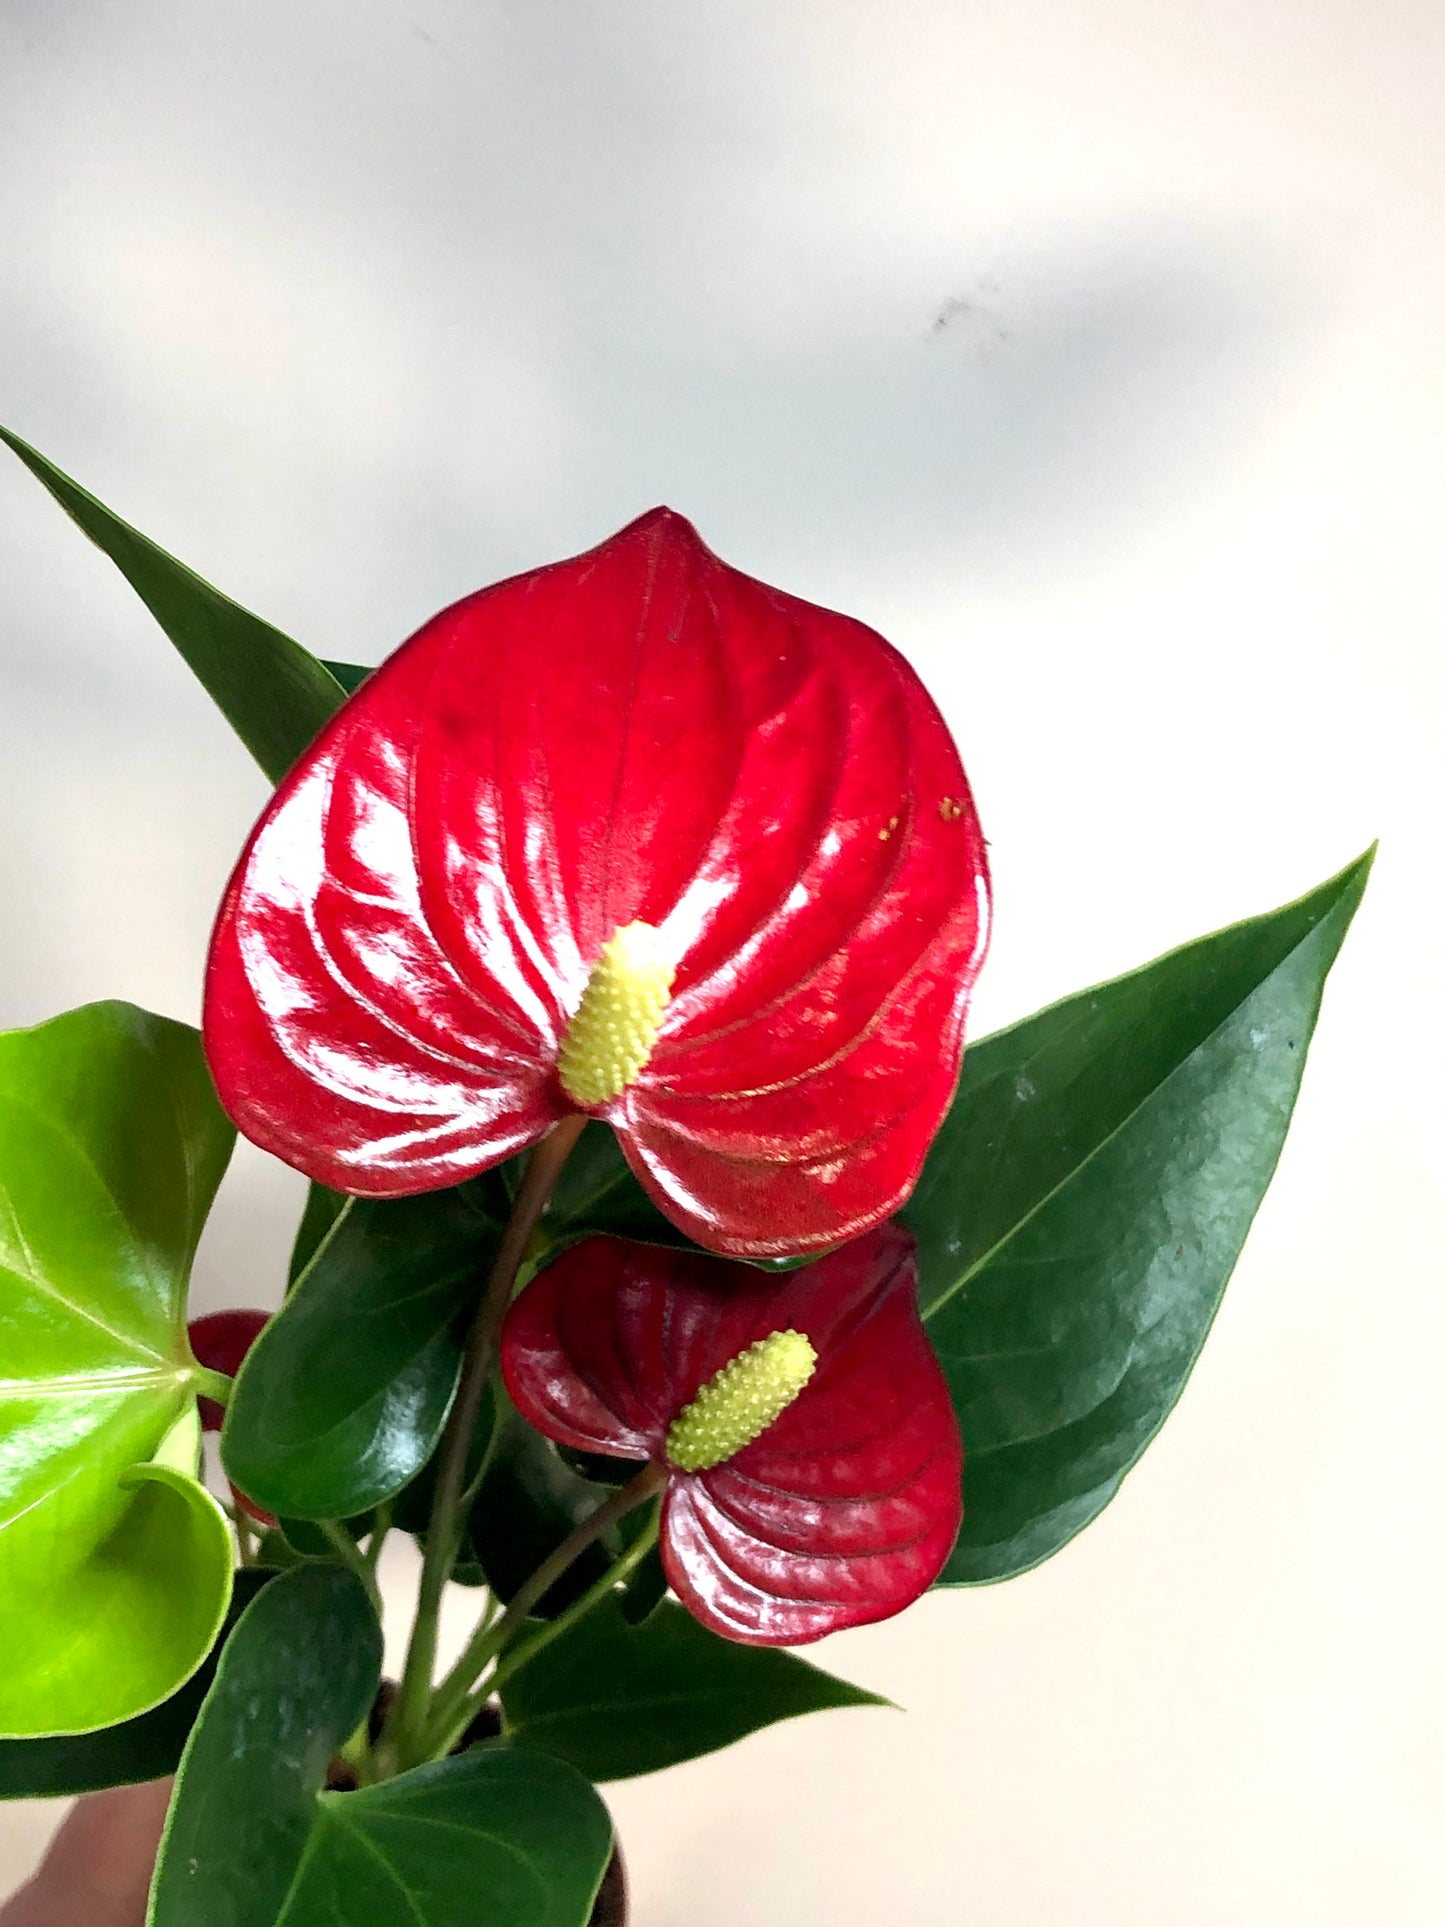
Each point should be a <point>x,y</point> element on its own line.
<point>1092,352</point>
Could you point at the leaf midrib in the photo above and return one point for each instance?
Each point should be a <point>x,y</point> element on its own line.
<point>1046,1198</point>
<point>67,1384</point>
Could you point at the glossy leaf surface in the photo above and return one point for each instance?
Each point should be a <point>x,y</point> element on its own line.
<point>618,1700</point>
<point>640,735</point>
<point>145,1748</point>
<point>843,1510</point>
<point>272,692</point>
<point>321,1211</point>
<point>344,1395</point>
<point>529,1502</point>
<point>351,675</point>
<point>114,1563</point>
<point>598,1191</point>
<point>1084,1205</point>
<point>512,1838</point>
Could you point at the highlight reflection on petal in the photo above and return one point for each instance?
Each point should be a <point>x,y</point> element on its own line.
<point>639,735</point>
<point>844,1509</point>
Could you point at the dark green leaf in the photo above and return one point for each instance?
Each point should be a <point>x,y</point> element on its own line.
<point>323,1208</point>
<point>342,1398</point>
<point>508,1837</point>
<point>145,1748</point>
<point>411,1508</point>
<point>115,1564</point>
<point>597,1192</point>
<point>618,1700</point>
<point>646,1588</point>
<point>274,1549</point>
<point>272,692</point>
<point>307,1540</point>
<point>1084,1204</point>
<point>528,1503</point>
<point>598,1467</point>
<point>351,675</point>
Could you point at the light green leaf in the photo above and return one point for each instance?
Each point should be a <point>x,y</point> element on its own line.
<point>114,1563</point>
<point>1084,1204</point>
<point>273,693</point>
<point>144,1748</point>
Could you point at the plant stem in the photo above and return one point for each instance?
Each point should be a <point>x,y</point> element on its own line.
<point>621,1568</point>
<point>245,1538</point>
<point>381,1526</point>
<point>213,1385</point>
<point>350,1554</point>
<point>448,1517</point>
<point>454,1694</point>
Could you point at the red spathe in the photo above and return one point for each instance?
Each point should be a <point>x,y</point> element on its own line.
<point>639,734</point>
<point>844,1509</point>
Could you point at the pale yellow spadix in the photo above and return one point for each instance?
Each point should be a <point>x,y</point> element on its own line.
<point>741,1401</point>
<point>613,1029</point>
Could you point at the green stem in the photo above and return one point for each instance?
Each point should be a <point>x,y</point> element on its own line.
<point>380,1527</point>
<point>209,1384</point>
<point>357,1752</point>
<point>246,1538</point>
<point>350,1554</point>
<point>621,1569</point>
<point>455,1692</point>
<point>448,1515</point>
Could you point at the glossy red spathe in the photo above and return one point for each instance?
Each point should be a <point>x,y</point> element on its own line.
<point>639,735</point>
<point>844,1509</point>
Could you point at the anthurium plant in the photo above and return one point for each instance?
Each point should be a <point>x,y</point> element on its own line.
<point>668,1274</point>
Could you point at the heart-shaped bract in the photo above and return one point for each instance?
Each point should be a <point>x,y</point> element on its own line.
<point>730,824</point>
<point>840,1511</point>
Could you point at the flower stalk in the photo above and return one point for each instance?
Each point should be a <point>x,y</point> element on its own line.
<point>408,1718</point>
<point>458,1699</point>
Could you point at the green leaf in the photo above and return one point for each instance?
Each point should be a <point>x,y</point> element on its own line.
<point>617,1700</point>
<point>342,1398</point>
<point>412,1506</point>
<point>145,1748</point>
<point>351,675</point>
<point>598,1192</point>
<point>114,1563</point>
<point>323,1208</point>
<point>1084,1204</point>
<point>528,1503</point>
<point>511,1838</point>
<point>307,1540</point>
<point>645,1588</point>
<point>273,693</point>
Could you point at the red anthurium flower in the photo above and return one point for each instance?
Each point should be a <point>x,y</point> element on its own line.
<point>220,1341</point>
<point>632,835</point>
<point>812,1455</point>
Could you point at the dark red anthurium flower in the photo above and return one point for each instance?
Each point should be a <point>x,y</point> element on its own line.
<point>220,1341</point>
<point>812,1456</point>
<point>633,835</point>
